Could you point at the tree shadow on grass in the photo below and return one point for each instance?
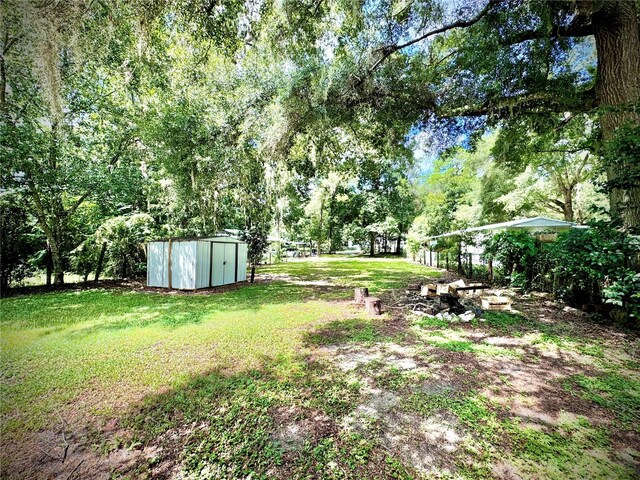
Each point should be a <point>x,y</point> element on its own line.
<point>358,330</point>
<point>278,421</point>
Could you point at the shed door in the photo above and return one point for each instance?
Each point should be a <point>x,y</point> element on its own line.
<point>217,264</point>
<point>229,263</point>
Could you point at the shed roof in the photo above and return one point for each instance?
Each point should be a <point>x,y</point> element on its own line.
<point>214,238</point>
<point>535,223</point>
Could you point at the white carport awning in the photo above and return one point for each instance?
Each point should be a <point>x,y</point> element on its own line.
<point>535,223</point>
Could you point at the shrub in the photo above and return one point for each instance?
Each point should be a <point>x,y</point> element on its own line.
<point>584,266</point>
<point>517,251</point>
<point>598,264</point>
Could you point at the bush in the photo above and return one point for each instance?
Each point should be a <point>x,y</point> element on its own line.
<point>123,239</point>
<point>517,251</point>
<point>583,266</point>
<point>598,264</point>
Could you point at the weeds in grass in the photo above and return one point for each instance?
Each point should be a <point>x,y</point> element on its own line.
<point>572,450</point>
<point>431,322</point>
<point>619,394</point>
<point>355,330</point>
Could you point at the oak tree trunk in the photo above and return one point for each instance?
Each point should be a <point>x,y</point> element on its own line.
<point>103,250</point>
<point>56,259</point>
<point>617,37</point>
<point>49,264</point>
<point>567,194</point>
<point>372,243</point>
<point>320,227</point>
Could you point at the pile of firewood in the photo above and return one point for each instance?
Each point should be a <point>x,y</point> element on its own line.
<point>459,289</point>
<point>425,300</point>
<point>452,301</point>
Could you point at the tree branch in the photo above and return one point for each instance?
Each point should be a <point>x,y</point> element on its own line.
<point>557,31</point>
<point>76,205</point>
<point>563,150</point>
<point>389,50</point>
<point>543,100</point>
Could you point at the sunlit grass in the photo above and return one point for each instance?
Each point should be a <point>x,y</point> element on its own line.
<point>377,274</point>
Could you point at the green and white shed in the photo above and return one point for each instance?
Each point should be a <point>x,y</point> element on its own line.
<point>192,263</point>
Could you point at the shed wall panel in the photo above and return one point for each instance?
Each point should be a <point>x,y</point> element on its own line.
<point>242,262</point>
<point>203,264</point>
<point>157,264</point>
<point>183,265</point>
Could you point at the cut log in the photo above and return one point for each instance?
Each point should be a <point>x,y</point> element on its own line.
<point>373,305</point>
<point>361,294</point>
<point>442,288</point>
<point>472,287</point>
<point>428,290</point>
<point>465,290</point>
<point>496,303</point>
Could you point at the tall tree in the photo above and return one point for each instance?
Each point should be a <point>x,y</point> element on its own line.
<point>499,62</point>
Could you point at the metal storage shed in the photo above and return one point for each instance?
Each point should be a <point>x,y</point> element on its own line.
<point>191,263</point>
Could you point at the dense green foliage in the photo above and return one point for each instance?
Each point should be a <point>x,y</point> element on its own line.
<point>517,252</point>
<point>583,266</point>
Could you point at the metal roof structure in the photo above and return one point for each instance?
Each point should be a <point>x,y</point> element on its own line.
<point>214,238</point>
<point>535,223</point>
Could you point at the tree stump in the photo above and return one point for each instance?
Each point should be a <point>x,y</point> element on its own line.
<point>373,305</point>
<point>361,294</point>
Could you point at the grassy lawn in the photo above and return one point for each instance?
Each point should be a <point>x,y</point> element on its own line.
<point>287,379</point>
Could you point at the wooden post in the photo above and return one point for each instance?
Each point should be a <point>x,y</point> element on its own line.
<point>470,265</point>
<point>490,270</point>
<point>438,259</point>
<point>361,294</point>
<point>373,305</point>
<point>430,259</point>
<point>447,261</point>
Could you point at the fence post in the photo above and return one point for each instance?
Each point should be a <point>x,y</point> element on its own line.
<point>490,270</point>
<point>470,265</point>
